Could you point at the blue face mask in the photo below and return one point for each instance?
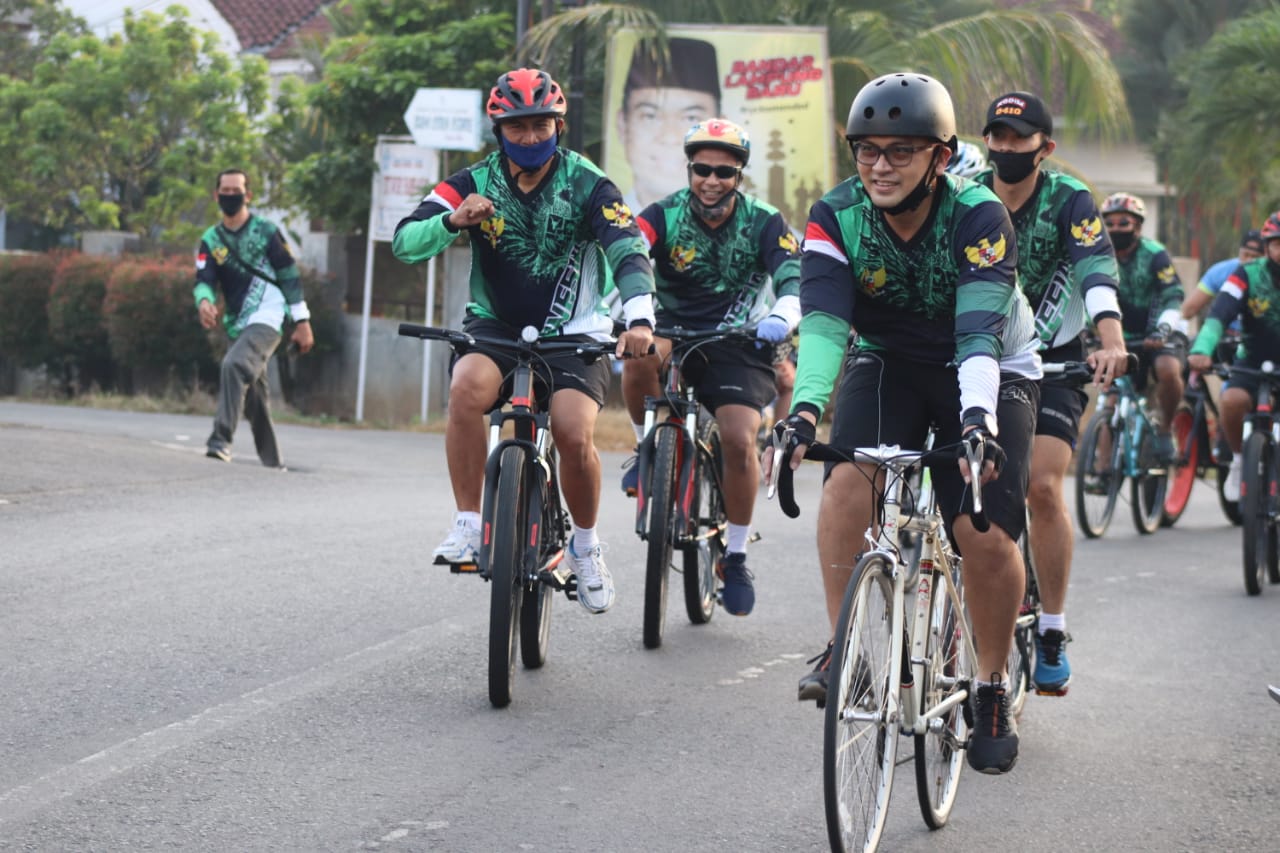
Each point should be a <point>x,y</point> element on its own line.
<point>530,157</point>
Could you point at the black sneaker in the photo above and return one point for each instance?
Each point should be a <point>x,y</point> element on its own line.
<point>1166,450</point>
<point>218,452</point>
<point>738,594</point>
<point>813,685</point>
<point>993,743</point>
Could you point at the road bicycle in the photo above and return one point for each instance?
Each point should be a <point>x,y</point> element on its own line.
<point>680,498</point>
<point>1120,443</point>
<point>1259,482</point>
<point>903,657</point>
<point>1200,450</point>
<point>525,527</point>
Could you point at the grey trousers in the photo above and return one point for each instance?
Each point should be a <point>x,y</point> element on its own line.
<point>243,389</point>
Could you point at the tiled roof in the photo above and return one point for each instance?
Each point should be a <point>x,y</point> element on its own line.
<point>263,24</point>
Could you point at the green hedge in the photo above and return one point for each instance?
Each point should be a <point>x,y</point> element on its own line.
<point>24,292</point>
<point>76,327</point>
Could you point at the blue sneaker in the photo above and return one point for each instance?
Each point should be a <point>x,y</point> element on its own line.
<point>738,595</point>
<point>631,477</point>
<point>1052,673</point>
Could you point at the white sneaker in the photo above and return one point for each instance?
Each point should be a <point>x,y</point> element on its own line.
<point>595,584</point>
<point>1231,486</point>
<point>462,545</point>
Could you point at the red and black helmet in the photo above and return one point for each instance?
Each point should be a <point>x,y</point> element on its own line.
<point>1271,228</point>
<point>525,93</point>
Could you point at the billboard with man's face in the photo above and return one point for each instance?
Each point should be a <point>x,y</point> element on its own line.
<point>773,81</point>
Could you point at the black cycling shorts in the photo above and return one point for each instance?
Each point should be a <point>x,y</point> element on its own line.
<point>731,372</point>
<point>554,373</point>
<point>1147,364</point>
<point>887,400</point>
<point>1061,405</point>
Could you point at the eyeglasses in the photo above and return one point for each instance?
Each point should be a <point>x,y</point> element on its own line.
<point>897,155</point>
<point>706,170</point>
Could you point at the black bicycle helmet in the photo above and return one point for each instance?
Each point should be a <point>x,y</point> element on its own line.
<point>903,104</point>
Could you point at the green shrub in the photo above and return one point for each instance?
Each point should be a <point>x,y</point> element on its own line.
<point>152,324</point>
<point>24,293</point>
<point>77,328</point>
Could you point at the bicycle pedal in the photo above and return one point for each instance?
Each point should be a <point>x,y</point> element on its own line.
<point>1061,691</point>
<point>464,569</point>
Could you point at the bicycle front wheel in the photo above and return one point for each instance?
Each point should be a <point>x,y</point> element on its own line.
<point>948,671</point>
<point>506,571</point>
<point>1183,477</point>
<point>535,610</point>
<point>1257,503</point>
<point>1097,478</point>
<point>860,737</point>
<point>705,551</point>
<point>1022,650</point>
<point>662,523</point>
<point>1147,489</point>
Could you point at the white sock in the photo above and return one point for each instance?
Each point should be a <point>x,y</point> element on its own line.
<point>470,519</point>
<point>584,539</point>
<point>639,428</point>
<point>738,536</point>
<point>1053,622</point>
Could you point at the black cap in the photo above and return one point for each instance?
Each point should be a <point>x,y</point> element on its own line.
<point>693,66</point>
<point>1022,111</point>
<point>1252,239</point>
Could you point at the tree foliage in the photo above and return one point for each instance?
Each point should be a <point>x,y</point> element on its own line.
<point>31,25</point>
<point>128,132</point>
<point>328,131</point>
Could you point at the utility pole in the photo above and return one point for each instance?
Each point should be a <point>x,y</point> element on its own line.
<point>578,122</point>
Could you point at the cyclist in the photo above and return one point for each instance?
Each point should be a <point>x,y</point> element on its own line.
<point>923,264</point>
<point>543,221</point>
<point>1216,276</point>
<point>1251,293</point>
<point>1150,304</point>
<point>714,249</point>
<point>1067,270</point>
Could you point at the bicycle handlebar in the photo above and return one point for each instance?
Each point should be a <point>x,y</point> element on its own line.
<point>681,335</point>
<point>463,342</point>
<point>1079,372</point>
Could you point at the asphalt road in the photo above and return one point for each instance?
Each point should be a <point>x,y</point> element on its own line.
<point>203,656</point>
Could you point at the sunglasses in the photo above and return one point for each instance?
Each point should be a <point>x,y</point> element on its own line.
<point>706,170</point>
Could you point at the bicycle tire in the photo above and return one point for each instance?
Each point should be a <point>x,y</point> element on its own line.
<point>661,534</point>
<point>860,729</point>
<point>535,609</point>
<point>1147,489</point>
<point>703,554</point>
<point>1022,651</point>
<point>1096,491</point>
<point>939,755</point>
<point>506,571</point>
<point>1230,508</point>
<point>1183,480</point>
<point>1257,479</point>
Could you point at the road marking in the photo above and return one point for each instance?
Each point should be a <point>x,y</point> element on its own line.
<point>147,747</point>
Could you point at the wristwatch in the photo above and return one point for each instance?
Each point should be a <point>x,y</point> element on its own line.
<point>976,417</point>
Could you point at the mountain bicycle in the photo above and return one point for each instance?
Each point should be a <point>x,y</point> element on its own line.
<point>1200,450</point>
<point>680,499</point>
<point>523,520</point>
<point>902,660</point>
<point>1260,482</point>
<point>1119,443</point>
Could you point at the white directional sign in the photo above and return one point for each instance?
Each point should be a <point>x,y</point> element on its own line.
<point>446,119</point>
<point>406,173</point>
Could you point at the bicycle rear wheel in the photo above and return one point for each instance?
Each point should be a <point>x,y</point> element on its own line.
<point>948,670</point>
<point>702,555</point>
<point>1183,476</point>
<point>662,521</point>
<point>1230,507</point>
<point>860,737</point>
<point>1147,490</point>
<point>1097,478</point>
<point>1257,501</point>
<point>508,519</point>
<point>535,610</point>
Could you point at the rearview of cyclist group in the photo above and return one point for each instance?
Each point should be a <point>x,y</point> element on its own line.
<point>928,291</point>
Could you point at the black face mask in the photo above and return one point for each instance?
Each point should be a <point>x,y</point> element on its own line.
<point>1013,167</point>
<point>1122,240</point>
<point>231,203</point>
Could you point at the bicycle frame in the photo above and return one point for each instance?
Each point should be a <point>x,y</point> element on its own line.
<point>1129,418</point>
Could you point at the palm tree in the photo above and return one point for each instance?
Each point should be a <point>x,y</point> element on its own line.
<point>977,49</point>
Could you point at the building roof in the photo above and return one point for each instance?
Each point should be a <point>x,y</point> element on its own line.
<point>262,25</point>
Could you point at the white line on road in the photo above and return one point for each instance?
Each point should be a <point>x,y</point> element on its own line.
<point>147,747</point>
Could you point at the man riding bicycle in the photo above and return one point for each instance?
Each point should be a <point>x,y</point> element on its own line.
<point>1251,293</point>
<point>923,264</point>
<point>1067,270</point>
<point>543,222</point>
<point>1150,305</point>
<point>715,248</point>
